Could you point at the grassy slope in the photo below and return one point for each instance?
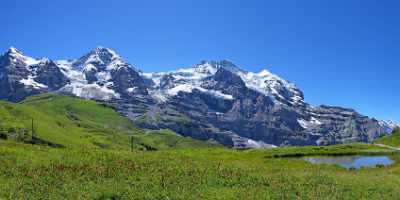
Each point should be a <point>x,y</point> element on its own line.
<point>78,123</point>
<point>37,172</point>
<point>391,140</point>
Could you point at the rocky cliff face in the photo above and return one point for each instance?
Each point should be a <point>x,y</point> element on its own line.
<point>213,100</point>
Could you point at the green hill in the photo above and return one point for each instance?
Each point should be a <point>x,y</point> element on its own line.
<point>64,121</point>
<point>391,140</point>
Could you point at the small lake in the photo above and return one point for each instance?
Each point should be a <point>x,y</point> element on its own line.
<point>356,161</point>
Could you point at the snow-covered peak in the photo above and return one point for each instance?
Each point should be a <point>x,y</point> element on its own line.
<point>18,56</point>
<point>44,60</point>
<point>102,50</point>
<point>215,65</point>
<point>14,50</point>
<point>102,55</point>
<point>204,69</point>
<point>168,84</point>
<point>264,73</point>
<point>270,84</point>
<point>264,82</point>
<point>187,79</point>
<point>100,58</point>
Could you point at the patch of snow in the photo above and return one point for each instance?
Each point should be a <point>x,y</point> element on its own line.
<point>65,64</point>
<point>188,88</point>
<point>155,77</point>
<point>315,121</point>
<point>73,75</point>
<point>240,142</point>
<point>265,73</point>
<point>259,144</point>
<point>303,123</point>
<point>180,88</point>
<point>32,83</point>
<point>89,67</point>
<point>216,93</point>
<point>131,89</point>
<point>158,96</point>
<point>309,124</point>
<point>103,77</point>
<point>90,91</point>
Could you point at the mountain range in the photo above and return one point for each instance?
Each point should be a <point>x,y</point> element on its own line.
<point>212,100</point>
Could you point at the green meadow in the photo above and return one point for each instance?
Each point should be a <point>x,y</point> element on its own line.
<point>41,172</point>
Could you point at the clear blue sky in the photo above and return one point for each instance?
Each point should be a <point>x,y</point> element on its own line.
<point>341,52</point>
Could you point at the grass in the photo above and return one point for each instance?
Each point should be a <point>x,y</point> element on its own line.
<point>75,123</point>
<point>39,172</point>
<point>391,140</point>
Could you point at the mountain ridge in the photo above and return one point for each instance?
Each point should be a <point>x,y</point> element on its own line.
<point>216,99</point>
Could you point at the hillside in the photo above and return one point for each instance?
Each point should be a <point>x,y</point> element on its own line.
<point>391,140</point>
<point>64,121</point>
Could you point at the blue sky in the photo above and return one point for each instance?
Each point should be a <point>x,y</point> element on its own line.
<point>342,52</point>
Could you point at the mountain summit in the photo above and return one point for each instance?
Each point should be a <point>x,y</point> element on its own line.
<point>212,100</point>
<point>100,59</point>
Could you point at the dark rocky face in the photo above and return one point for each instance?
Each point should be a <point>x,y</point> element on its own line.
<point>226,82</point>
<point>49,74</point>
<point>167,81</point>
<point>128,82</point>
<point>90,75</point>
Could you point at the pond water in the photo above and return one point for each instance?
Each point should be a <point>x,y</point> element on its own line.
<point>351,161</point>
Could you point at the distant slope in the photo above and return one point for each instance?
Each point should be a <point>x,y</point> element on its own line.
<point>166,139</point>
<point>391,140</point>
<point>75,122</point>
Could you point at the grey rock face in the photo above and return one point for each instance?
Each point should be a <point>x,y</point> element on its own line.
<point>49,74</point>
<point>340,125</point>
<point>128,82</point>
<point>226,82</point>
<point>214,100</point>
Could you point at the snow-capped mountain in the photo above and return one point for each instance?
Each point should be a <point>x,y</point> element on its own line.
<point>211,100</point>
<point>103,75</point>
<point>21,76</point>
<point>169,84</point>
